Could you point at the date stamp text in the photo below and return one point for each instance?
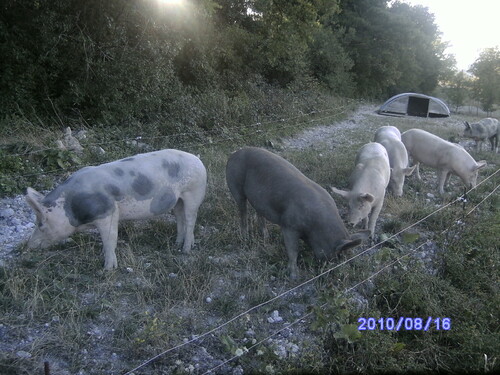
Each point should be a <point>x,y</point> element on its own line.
<point>404,324</point>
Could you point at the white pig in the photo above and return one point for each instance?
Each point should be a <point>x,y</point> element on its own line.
<point>390,138</point>
<point>137,187</point>
<point>487,128</point>
<point>448,158</point>
<point>368,183</point>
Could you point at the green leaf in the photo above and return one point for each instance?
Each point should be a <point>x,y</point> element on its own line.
<point>76,159</point>
<point>384,254</point>
<point>349,332</point>
<point>410,237</point>
<point>399,346</point>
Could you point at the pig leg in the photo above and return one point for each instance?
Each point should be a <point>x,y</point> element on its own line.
<point>374,216</point>
<point>492,143</point>
<point>242,208</point>
<point>108,228</point>
<point>442,179</point>
<point>448,175</point>
<point>241,201</point>
<point>262,227</point>
<point>291,238</point>
<point>417,171</point>
<point>180,218</point>
<point>364,223</point>
<point>192,202</point>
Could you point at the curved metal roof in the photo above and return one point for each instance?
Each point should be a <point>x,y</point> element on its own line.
<point>414,104</point>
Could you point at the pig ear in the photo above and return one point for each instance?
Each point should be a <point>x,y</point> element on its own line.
<point>366,197</point>
<point>361,235</point>
<point>34,198</point>
<point>347,244</point>
<point>467,125</point>
<point>481,164</point>
<point>342,193</point>
<point>408,171</point>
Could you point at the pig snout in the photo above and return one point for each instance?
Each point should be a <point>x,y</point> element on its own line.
<point>354,219</point>
<point>37,242</point>
<point>398,192</point>
<point>41,240</point>
<point>324,255</point>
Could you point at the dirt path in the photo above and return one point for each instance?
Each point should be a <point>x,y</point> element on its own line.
<point>366,117</point>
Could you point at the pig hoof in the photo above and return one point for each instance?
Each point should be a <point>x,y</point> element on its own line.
<point>108,266</point>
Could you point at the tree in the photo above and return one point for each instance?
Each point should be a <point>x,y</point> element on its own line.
<point>486,71</point>
<point>457,89</point>
<point>394,46</point>
<point>285,28</point>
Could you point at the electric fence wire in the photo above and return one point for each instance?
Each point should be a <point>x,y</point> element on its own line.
<point>289,291</point>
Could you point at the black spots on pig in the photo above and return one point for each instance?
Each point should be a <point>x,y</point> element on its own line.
<point>132,173</point>
<point>163,202</point>
<point>50,199</point>
<point>172,168</point>
<point>142,185</point>
<point>84,208</point>
<point>127,159</point>
<point>119,172</point>
<point>114,191</point>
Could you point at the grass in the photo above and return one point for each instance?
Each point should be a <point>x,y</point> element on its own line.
<point>59,306</point>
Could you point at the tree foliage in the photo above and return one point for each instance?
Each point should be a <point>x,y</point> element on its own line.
<point>123,59</point>
<point>486,70</point>
<point>458,89</point>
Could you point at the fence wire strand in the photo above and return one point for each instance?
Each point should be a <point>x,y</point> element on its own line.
<point>307,282</point>
<point>214,131</point>
<point>305,316</point>
<point>222,139</point>
<point>283,294</point>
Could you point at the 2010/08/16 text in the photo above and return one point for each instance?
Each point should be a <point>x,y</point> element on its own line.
<point>406,324</point>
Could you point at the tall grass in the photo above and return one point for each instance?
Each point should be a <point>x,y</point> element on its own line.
<point>58,305</point>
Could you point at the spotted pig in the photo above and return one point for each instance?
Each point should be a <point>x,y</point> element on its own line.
<point>138,187</point>
<point>487,128</point>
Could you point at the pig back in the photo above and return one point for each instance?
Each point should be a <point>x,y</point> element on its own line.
<point>423,146</point>
<point>278,190</point>
<point>387,132</point>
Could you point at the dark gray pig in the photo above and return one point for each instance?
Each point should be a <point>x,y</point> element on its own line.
<point>280,193</point>
<point>138,187</point>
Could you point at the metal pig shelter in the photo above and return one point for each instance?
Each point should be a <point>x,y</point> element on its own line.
<point>412,104</point>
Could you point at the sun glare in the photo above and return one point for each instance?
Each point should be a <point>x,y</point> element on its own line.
<point>171,2</point>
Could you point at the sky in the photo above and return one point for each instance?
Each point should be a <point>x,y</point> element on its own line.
<point>468,26</point>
